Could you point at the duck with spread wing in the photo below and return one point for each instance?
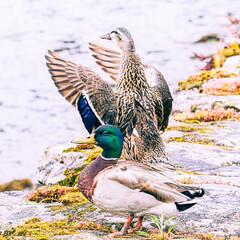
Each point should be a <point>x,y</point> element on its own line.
<point>139,105</point>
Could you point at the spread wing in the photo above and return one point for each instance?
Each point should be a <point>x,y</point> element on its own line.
<point>108,59</point>
<point>84,89</point>
<point>142,178</point>
<point>162,96</point>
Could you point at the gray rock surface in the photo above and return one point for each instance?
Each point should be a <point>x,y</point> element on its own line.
<point>217,214</point>
<point>206,154</point>
<point>54,162</point>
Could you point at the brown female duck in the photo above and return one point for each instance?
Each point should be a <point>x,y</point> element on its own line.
<point>134,106</point>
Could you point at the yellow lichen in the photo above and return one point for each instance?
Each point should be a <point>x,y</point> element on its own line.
<point>186,128</point>
<point>73,198</point>
<point>44,230</point>
<point>79,148</point>
<point>228,51</point>
<point>50,194</point>
<point>193,138</point>
<point>216,114</point>
<point>72,175</point>
<point>15,185</point>
<point>196,81</point>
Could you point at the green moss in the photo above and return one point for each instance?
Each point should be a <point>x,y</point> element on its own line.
<point>79,148</point>
<point>232,107</point>
<point>208,38</point>
<point>192,138</point>
<point>196,81</point>
<point>194,108</point>
<point>45,230</point>
<point>16,185</point>
<point>187,128</point>
<point>72,175</point>
<point>54,194</point>
<point>73,198</point>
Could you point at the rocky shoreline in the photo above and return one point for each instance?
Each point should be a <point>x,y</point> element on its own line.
<point>214,165</point>
<point>206,153</point>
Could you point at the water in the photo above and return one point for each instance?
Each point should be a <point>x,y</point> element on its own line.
<point>33,115</point>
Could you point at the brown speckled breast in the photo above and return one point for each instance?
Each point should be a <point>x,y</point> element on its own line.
<point>86,178</point>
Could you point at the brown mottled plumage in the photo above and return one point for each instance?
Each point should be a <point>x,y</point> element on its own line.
<point>135,106</point>
<point>109,61</point>
<point>141,90</point>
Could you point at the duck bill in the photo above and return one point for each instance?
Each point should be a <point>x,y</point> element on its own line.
<point>89,139</point>
<point>107,36</point>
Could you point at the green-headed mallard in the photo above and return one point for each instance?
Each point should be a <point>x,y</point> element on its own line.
<point>134,106</point>
<point>128,188</point>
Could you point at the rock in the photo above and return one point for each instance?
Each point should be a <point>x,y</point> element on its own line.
<point>183,101</point>
<point>54,162</point>
<point>232,64</point>
<point>217,214</point>
<point>206,154</point>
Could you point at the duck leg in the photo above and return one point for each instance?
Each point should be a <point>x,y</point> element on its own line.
<point>124,228</point>
<point>138,225</point>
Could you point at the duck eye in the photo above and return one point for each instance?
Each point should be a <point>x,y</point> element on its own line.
<point>105,133</point>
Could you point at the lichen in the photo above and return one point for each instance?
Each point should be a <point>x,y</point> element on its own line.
<point>222,87</point>
<point>186,128</point>
<point>189,180</point>
<point>16,185</point>
<point>56,194</point>
<point>44,230</point>
<point>193,138</point>
<point>216,114</point>
<point>79,148</point>
<point>156,234</point>
<point>72,175</point>
<point>73,198</point>
<point>196,81</point>
<point>216,60</point>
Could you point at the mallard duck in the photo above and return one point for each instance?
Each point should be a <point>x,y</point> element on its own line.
<point>150,100</point>
<point>134,107</point>
<point>129,188</point>
<point>110,62</point>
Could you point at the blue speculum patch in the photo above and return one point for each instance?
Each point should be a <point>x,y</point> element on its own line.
<point>88,117</point>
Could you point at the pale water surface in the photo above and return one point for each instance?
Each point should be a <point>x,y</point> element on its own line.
<point>33,115</point>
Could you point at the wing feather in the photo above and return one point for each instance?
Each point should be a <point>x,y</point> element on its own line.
<point>108,59</point>
<point>81,85</point>
<point>142,178</point>
<point>95,47</point>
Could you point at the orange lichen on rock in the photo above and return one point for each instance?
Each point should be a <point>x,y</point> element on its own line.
<point>216,114</point>
<point>78,148</point>
<point>196,81</point>
<point>49,194</point>
<point>225,86</point>
<point>216,60</point>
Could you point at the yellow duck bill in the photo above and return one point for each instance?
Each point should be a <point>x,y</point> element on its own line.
<point>106,36</point>
<point>89,139</point>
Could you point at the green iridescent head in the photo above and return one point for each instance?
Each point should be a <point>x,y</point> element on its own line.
<point>109,138</point>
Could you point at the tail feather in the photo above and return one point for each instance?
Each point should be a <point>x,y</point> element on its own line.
<point>195,193</point>
<point>195,196</point>
<point>183,207</point>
